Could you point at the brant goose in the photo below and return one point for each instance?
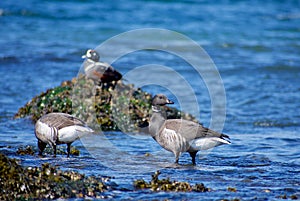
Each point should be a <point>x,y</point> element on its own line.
<point>178,135</point>
<point>59,128</point>
<point>99,71</point>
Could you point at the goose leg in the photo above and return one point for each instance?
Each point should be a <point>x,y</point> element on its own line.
<point>54,151</point>
<point>193,155</point>
<point>177,157</point>
<point>68,149</point>
<point>41,146</point>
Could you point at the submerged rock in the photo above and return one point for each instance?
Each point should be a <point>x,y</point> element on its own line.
<point>30,150</point>
<point>115,106</point>
<point>167,185</point>
<point>231,189</point>
<point>46,182</point>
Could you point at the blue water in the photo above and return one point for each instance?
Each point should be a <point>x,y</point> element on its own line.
<point>254,45</point>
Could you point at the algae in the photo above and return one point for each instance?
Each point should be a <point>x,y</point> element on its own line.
<point>46,182</point>
<point>30,150</point>
<point>113,106</point>
<point>167,185</point>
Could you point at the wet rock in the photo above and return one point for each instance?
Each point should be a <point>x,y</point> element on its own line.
<point>285,197</point>
<point>235,199</point>
<point>61,150</point>
<point>167,185</point>
<point>231,189</point>
<point>74,151</point>
<point>113,106</point>
<point>28,150</point>
<point>46,182</point>
<point>200,188</point>
<point>53,100</point>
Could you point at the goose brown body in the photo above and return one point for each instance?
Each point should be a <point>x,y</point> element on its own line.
<point>178,135</point>
<point>59,128</point>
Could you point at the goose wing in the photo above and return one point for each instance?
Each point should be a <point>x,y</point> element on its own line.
<point>61,120</point>
<point>191,130</point>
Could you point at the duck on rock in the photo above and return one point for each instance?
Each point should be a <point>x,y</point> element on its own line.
<point>179,135</point>
<point>59,128</point>
<point>98,71</point>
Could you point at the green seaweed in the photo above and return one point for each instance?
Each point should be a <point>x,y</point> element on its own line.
<point>116,106</point>
<point>46,182</point>
<point>28,150</point>
<point>157,184</point>
<point>231,189</point>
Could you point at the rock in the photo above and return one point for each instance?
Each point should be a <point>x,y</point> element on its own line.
<point>166,185</point>
<point>28,150</point>
<point>46,182</point>
<point>231,189</point>
<point>109,107</point>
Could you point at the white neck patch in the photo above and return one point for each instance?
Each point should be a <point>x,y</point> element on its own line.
<point>156,109</point>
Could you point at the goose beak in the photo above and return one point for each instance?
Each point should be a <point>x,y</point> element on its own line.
<point>83,56</point>
<point>169,101</point>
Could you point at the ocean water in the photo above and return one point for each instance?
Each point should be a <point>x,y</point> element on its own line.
<point>255,47</point>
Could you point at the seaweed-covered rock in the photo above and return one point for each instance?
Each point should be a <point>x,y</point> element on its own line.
<point>56,99</point>
<point>166,185</point>
<point>30,150</point>
<point>116,106</point>
<point>46,182</point>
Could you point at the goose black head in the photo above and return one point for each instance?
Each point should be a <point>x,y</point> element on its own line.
<point>160,100</point>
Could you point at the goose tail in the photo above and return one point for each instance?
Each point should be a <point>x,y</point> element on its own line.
<point>209,142</point>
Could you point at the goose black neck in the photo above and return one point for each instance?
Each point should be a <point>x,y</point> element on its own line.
<point>156,108</point>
